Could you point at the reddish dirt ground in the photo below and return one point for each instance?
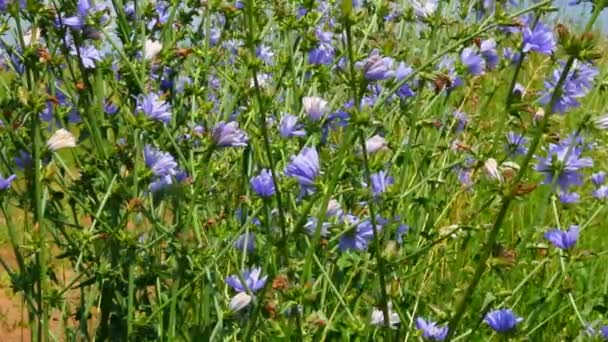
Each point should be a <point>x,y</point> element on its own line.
<point>13,313</point>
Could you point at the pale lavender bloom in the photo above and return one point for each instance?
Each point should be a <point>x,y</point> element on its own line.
<point>502,321</point>
<point>403,71</point>
<point>253,280</point>
<point>229,135</point>
<point>604,332</point>
<point>424,8</point>
<point>474,63</point>
<point>262,184</point>
<point>488,51</point>
<point>311,226</point>
<point>598,178</point>
<point>159,162</point>
<point>567,197</point>
<point>601,192</point>
<point>315,107</point>
<point>375,67</point>
<point>5,183</point>
<point>23,160</point>
<point>88,54</point>
<point>154,107</point>
<point>245,242</point>
<point>380,182</point>
<point>265,53</point>
<point>511,55</point>
<point>602,122</point>
<point>462,120</point>
<point>577,84</point>
<point>564,162</point>
<point>304,167</point>
<point>84,9</point>
<point>401,230</point>
<point>563,239</point>
<point>541,39</point>
<point>289,127</point>
<point>516,144</point>
<point>324,53</point>
<point>430,330</point>
<point>360,237</point>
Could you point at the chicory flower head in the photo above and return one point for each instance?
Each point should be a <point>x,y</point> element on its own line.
<point>289,127</point>
<point>154,107</point>
<point>564,163</point>
<point>540,39</point>
<point>263,184</point>
<point>502,321</point>
<point>430,330</point>
<point>229,135</point>
<point>474,63</point>
<point>304,167</point>
<point>375,67</point>
<point>5,183</point>
<point>563,239</point>
<point>253,280</point>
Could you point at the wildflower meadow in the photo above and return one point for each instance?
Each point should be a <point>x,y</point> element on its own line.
<point>303,170</point>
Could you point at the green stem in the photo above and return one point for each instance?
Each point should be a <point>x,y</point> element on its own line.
<point>372,212</point>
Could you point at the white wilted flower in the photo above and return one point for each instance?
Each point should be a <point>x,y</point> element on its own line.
<point>378,317</point>
<point>240,301</point>
<point>602,122</point>
<point>152,48</point>
<point>31,36</point>
<point>375,144</point>
<point>424,8</point>
<point>61,139</point>
<point>491,169</point>
<point>315,107</point>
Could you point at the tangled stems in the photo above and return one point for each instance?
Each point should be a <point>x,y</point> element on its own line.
<point>372,213</point>
<point>511,193</point>
<point>265,135</point>
<point>42,328</point>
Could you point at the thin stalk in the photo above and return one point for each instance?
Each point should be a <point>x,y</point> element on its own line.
<point>266,137</point>
<point>372,212</point>
<point>510,195</point>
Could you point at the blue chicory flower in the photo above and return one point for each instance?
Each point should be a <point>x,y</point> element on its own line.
<point>304,167</point>
<point>502,321</point>
<point>263,184</point>
<point>360,237</point>
<point>5,183</point>
<point>474,63</point>
<point>289,127</point>
<point>154,107</point>
<point>253,280</point>
<point>375,67</point>
<point>563,239</point>
<point>564,162</point>
<point>540,39</point>
<point>245,241</point>
<point>380,182</point>
<point>430,330</point>
<point>229,135</point>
